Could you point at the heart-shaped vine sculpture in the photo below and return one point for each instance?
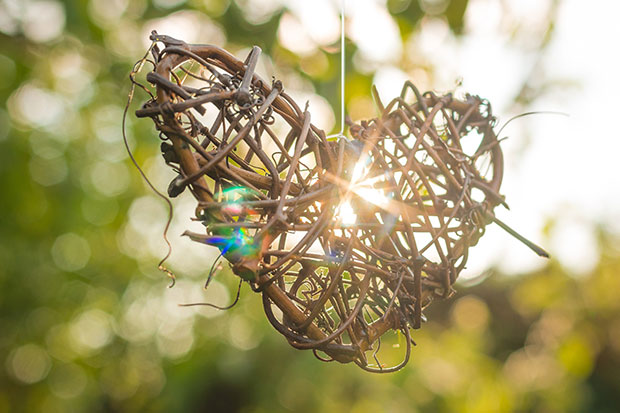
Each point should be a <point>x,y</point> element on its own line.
<point>349,239</point>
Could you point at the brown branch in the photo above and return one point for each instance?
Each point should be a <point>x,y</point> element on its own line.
<point>343,281</point>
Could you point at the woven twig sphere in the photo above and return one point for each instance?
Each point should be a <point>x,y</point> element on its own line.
<point>349,239</point>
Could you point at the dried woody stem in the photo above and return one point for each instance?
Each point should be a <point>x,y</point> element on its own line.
<point>348,239</point>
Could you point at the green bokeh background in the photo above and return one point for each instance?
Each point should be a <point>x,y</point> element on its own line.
<point>87,323</point>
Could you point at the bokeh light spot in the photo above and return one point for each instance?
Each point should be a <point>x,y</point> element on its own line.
<point>191,26</point>
<point>293,37</point>
<point>70,252</point>
<point>383,42</point>
<point>109,179</point>
<point>67,381</point>
<point>470,314</point>
<point>106,12</point>
<point>99,212</point>
<point>29,363</point>
<point>44,146</point>
<point>33,107</point>
<point>43,21</point>
<point>48,172</point>
<point>242,334</point>
<point>91,330</point>
<point>259,11</point>
<point>441,376</point>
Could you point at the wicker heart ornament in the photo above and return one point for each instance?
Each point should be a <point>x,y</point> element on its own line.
<point>347,238</point>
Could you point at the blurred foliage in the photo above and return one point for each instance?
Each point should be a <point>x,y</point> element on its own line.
<point>87,323</point>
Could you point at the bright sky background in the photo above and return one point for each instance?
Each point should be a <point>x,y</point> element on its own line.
<point>561,168</point>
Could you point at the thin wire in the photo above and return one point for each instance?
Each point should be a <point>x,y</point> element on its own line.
<point>538,112</point>
<point>342,71</point>
<point>228,307</point>
<point>135,70</point>
<point>212,270</point>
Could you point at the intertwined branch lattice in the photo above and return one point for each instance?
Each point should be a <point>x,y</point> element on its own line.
<point>348,239</point>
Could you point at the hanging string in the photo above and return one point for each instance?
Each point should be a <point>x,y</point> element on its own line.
<point>342,72</point>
